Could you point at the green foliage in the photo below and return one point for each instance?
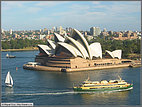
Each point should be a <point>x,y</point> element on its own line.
<point>21,43</point>
<point>127,46</point>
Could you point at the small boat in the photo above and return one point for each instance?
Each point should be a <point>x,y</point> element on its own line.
<point>9,80</point>
<point>31,65</point>
<point>103,85</point>
<point>10,56</point>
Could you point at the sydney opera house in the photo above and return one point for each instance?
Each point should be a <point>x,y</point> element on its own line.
<point>73,53</point>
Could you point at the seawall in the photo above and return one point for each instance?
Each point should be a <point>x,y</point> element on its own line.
<point>46,68</point>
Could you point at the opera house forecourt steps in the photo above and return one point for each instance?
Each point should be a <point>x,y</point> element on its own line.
<point>73,53</point>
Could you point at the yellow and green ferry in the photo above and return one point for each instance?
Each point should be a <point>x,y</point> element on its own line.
<point>103,85</point>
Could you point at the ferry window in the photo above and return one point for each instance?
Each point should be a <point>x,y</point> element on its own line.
<point>115,81</point>
<point>75,66</point>
<point>89,65</point>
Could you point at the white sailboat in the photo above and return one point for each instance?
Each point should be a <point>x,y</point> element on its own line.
<point>9,80</point>
<point>7,55</point>
<point>10,56</point>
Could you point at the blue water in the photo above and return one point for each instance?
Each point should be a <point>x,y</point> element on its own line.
<point>55,88</point>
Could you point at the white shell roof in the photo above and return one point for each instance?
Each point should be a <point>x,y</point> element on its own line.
<point>116,53</point>
<point>71,49</point>
<point>45,48</point>
<point>96,49</point>
<point>59,37</point>
<point>84,42</point>
<point>79,46</point>
<point>52,44</point>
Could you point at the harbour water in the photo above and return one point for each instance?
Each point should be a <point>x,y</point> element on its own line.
<point>55,88</point>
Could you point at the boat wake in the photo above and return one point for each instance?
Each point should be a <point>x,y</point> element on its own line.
<point>47,93</point>
<point>68,92</point>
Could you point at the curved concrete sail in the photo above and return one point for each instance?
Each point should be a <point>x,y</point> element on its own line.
<point>58,38</point>
<point>115,54</point>
<point>80,38</point>
<point>51,43</point>
<point>78,46</point>
<point>96,49</point>
<point>70,48</point>
<point>44,48</point>
<point>110,53</point>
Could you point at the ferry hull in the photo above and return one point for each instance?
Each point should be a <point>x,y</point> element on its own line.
<point>103,89</point>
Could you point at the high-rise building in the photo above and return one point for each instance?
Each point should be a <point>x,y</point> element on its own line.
<point>41,36</point>
<point>2,30</point>
<point>70,29</point>
<point>98,31</point>
<point>45,30</point>
<point>48,32</point>
<point>59,28</point>
<point>67,29</point>
<point>95,31</point>
<point>53,29</point>
<point>10,31</point>
<point>105,30</point>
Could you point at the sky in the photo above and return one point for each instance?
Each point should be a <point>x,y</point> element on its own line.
<point>81,15</point>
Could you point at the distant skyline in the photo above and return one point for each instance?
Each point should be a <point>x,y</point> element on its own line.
<point>81,15</point>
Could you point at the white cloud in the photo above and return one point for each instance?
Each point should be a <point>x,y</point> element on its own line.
<point>11,4</point>
<point>96,13</point>
<point>80,8</point>
<point>124,8</point>
<point>78,15</point>
<point>96,2</point>
<point>33,9</point>
<point>50,3</point>
<point>116,8</point>
<point>43,19</point>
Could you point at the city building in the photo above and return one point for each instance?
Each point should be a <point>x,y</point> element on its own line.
<point>95,31</point>
<point>45,30</point>
<point>42,36</point>
<point>124,36</point>
<point>104,30</point>
<point>10,31</point>
<point>2,30</point>
<point>54,29</point>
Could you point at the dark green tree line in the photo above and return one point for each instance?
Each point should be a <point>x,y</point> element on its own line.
<point>21,43</point>
<point>127,46</point>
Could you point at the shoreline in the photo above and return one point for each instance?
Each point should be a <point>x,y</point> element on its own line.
<point>59,69</point>
<point>25,49</point>
<point>51,69</point>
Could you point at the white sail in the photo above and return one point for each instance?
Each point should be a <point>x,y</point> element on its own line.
<point>11,80</point>
<point>7,55</point>
<point>7,80</point>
